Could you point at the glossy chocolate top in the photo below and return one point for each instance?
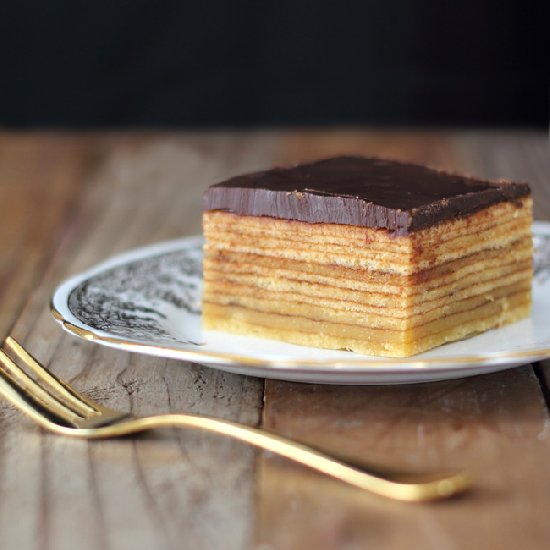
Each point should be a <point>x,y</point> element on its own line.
<point>362,191</point>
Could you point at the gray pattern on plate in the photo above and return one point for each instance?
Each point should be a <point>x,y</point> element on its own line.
<point>129,300</point>
<point>542,257</point>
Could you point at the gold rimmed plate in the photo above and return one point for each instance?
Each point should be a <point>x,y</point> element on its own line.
<point>148,300</point>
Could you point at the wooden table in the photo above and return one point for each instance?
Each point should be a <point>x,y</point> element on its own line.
<point>69,201</point>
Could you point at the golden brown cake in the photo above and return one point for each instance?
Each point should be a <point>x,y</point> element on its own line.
<point>369,255</point>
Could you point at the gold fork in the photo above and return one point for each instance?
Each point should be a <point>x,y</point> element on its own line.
<point>59,408</point>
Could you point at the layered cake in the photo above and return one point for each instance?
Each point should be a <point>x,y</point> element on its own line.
<point>365,254</point>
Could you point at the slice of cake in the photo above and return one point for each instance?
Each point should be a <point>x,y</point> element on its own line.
<point>364,254</point>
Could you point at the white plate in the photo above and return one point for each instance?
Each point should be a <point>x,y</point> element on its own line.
<point>148,300</point>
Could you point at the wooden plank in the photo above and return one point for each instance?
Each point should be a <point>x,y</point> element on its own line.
<point>512,156</point>
<point>168,489</point>
<point>417,146</point>
<point>40,176</point>
<point>496,425</point>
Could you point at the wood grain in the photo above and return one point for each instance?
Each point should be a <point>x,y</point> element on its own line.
<point>495,425</point>
<point>40,178</point>
<point>70,201</point>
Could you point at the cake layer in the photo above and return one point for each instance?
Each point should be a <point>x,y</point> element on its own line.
<point>359,191</point>
<point>498,227</point>
<point>337,311</point>
<point>362,339</point>
<point>402,313</point>
<point>251,270</point>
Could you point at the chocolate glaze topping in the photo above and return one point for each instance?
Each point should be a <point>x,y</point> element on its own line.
<point>362,191</point>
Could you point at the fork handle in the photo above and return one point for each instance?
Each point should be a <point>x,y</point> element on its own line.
<point>379,483</point>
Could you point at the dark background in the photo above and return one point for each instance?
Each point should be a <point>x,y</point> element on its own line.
<point>147,63</point>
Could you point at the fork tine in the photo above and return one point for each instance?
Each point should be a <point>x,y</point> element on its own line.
<point>26,403</point>
<point>81,404</point>
<point>31,388</point>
